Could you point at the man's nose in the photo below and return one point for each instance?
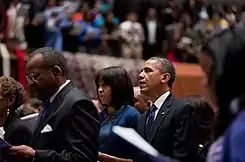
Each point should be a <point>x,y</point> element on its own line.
<point>141,75</point>
<point>100,90</point>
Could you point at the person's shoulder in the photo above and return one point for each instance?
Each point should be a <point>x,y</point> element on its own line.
<point>180,105</point>
<point>125,25</point>
<point>130,108</point>
<point>178,102</point>
<point>77,95</point>
<point>131,111</point>
<point>19,125</point>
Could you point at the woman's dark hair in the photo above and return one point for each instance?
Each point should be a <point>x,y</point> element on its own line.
<point>118,79</point>
<point>205,116</point>
<point>204,113</point>
<point>9,87</point>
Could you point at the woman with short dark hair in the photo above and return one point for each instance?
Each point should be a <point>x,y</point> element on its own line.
<point>115,92</point>
<point>205,118</point>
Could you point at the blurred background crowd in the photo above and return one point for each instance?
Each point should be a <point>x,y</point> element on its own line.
<point>129,29</point>
<point>105,44</point>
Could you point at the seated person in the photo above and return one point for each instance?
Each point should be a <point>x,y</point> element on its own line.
<point>142,102</point>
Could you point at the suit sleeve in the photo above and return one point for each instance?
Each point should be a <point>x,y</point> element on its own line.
<point>80,137</point>
<point>185,136</point>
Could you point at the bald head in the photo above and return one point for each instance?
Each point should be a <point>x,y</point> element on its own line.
<point>50,57</point>
<point>46,71</point>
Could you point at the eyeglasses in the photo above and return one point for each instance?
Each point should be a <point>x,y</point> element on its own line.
<point>31,77</point>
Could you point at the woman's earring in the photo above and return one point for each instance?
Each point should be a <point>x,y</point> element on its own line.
<point>7,112</point>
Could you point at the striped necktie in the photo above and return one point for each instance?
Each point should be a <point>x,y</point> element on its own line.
<point>150,120</point>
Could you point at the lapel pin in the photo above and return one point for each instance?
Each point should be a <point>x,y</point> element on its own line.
<point>163,113</point>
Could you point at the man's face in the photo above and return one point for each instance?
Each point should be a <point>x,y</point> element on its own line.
<point>40,78</point>
<point>152,12</point>
<point>141,103</point>
<point>132,17</point>
<point>150,78</point>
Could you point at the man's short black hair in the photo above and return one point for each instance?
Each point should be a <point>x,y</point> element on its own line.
<point>52,57</point>
<point>166,67</point>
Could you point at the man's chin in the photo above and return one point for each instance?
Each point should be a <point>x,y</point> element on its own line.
<point>143,90</point>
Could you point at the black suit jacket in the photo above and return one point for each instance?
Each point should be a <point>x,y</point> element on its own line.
<point>16,133</point>
<point>75,128</point>
<point>160,35</point>
<point>174,131</point>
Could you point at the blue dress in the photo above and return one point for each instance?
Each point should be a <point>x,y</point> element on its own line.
<point>109,142</point>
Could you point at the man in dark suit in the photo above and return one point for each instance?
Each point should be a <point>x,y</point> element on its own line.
<point>155,35</point>
<point>168,125</point>
<point>68,127</point>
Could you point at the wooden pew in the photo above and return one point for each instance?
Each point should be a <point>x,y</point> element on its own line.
<point>189,80</point>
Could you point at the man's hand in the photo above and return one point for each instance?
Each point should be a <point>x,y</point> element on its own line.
<point>22,151</point>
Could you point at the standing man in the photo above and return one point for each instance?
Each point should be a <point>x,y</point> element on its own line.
<point>68,127</point>
<point>168,125</point>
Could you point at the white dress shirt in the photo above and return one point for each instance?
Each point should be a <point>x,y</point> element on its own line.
<point>152,29</point>
<point>158,103</point>
<point>60,88</point>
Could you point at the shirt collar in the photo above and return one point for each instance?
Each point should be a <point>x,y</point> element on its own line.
<point>60,88</point>
<point>158,103</point>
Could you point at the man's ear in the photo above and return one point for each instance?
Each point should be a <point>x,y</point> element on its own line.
<point>56,70</point>
<point>165,78</point>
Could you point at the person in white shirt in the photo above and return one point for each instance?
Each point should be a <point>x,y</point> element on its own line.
<point>17,14</point>
<point>169,124</point>
<point>132,37</point>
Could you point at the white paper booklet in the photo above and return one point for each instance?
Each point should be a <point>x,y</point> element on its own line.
<point>136,140</point>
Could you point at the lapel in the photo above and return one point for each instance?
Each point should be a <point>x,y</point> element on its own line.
<point>161,116</point>
<point>54,106</point>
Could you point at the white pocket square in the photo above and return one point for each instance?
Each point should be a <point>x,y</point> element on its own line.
<point>47,128</point>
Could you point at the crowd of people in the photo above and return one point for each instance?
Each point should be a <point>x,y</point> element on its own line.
<point>171,29</point>
<point>61,123</point>
<point>66,125</point>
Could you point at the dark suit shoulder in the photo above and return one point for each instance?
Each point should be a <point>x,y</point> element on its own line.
<point>76,95</point>
<point>79,98</point>
<point>179,104</point>
<point>18,133</point>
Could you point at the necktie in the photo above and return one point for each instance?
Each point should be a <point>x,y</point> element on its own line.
<point>45,108</point>
<point>150,120</point>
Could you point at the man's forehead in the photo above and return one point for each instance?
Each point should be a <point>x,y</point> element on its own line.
<point>35,61</point>
<point>153,64</point>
